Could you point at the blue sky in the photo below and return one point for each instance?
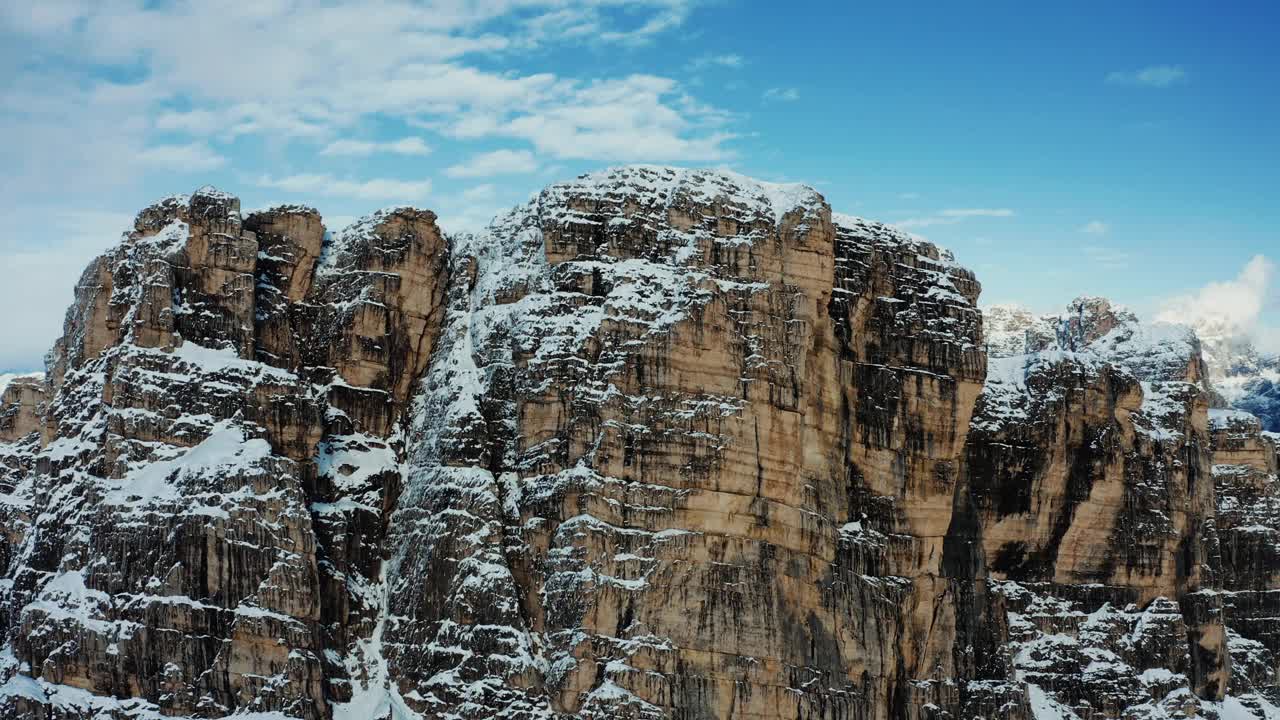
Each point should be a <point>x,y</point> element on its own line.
<point>1120,149</point>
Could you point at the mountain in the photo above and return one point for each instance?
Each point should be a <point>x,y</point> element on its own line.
<point>1241,377</point>
<point>659,443</point>
<point>1246,378</point>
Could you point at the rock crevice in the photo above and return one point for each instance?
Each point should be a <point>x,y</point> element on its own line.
<point>659,443</point>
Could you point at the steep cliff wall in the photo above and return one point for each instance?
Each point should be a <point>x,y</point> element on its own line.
<point>1248,490</point>
<point>659,443</point>
<point>1097,483</point>
<point>691,453</point>
<point>170,542</point>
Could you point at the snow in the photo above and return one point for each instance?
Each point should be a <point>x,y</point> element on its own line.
<point>211,361</point>
<point>336,246</point>
<point>1162,356</point>
<point>65,597</point>
<point>1224,418</point>
<point>351,461</point>
<point>76,702</point>
<point>1045,707</point>
<point>7,378</point>
<point>1232,708</point>
<point>222,453</point>
<point>660,185</point>
<point>374,694</point>
<point>1013,330</point>
<point>514,308</point>
<point>1151,351</point>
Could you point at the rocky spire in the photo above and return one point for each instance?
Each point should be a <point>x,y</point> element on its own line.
<point>657,443</point>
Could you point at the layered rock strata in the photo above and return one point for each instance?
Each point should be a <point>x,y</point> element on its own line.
<point>659,443</point>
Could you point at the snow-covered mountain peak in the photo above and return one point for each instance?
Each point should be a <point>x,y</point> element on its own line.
<point>660,186</point>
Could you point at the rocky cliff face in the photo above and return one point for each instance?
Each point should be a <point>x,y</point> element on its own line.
<point>1090,465</point>
<point>1245,378</point>
<point>1248,491</point>
<point>657,444</point>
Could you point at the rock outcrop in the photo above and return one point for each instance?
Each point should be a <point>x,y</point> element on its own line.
<point>1243,376</point>
<point>659,443</point>
<point>1090,469</point>
<point>171,544</point>
<point>1246,463</point>
<point>22,399</point>
<point>1250,381</point>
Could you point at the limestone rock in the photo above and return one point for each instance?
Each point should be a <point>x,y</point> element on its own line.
<point>22,399</point>
<point>659,443</point>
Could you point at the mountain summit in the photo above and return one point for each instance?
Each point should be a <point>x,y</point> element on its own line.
<point>659,443</point>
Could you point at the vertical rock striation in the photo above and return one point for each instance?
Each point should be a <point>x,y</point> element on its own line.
<point>678,419</point>
<point>170,545</point>
<point>658,443</point>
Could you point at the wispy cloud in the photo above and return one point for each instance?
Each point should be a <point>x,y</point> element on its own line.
<point>127,98</point>
<point>1108,258</point>
<point>364,148</point>
<point>1156,76</point>
<point>478,193</point>
<point>470,209</point>
<point>789,94</point>
<point>1240,306</point>
<point>355,65</point>
<point>498,162</point>
<point>977,212</point>
<point>951,216</point>
<point>636,118</point>
<point>379,189</point>
<point>1095,227</point>
<point>41,280</point>
<point>730,60</point>
<point>191,158</point>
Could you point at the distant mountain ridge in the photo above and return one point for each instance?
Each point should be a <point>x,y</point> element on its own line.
<point>1239,376</point>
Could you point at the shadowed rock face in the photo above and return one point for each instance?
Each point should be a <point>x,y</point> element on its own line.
<point>1245,476</point>
<point>658,444</point>
<point>171,537</point>
<point>21,407</point>
<point>1089,464</point>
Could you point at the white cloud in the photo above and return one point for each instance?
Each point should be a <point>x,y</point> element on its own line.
<point>364,148</point>
<point>922,222</point>
<point>1242,306</point>
<point>1108,258</point>
<point>478,193</point>
<point>42,17</point>
<point>207,76</point>
<point>673,16</point>
<point>951,216</point>
<point>1095,227</point>
<point>60,137</point>
<point>193,157</point>
<point>498,162</point>
<point>41,280</point>
<point>908,196</point>
<point>1157,76</point>
<point>639,117</point>
<point>338,222</point>
<point>977,212</point>
<point>390,58</point>
<point>232,121</point>
<point>781,94</point>
<point>729,60</point>
<point>380,189</point>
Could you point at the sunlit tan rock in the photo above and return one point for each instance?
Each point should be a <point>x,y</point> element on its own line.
<point>658,443</point>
